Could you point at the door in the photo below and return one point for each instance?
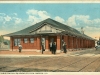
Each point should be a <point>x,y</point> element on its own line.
<point>52,40</point>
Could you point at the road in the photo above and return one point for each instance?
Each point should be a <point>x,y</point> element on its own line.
<point>77,61</point>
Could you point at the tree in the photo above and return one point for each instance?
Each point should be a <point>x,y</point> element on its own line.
<point>1,38</point>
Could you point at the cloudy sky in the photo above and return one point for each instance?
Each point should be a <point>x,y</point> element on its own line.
<point>17,16</point>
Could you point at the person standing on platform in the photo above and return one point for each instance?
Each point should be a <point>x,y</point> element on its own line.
<point>63,46</point>
<point>51,46</point>
<point>65,50</point>
<point>54,48</point>
<point>43,48</point>
<point>20,48</point>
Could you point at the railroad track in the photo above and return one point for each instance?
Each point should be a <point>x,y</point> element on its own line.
<point>27,64</point>
<point>77,61</point>
<point>47,60</point>
<point>16,69</point>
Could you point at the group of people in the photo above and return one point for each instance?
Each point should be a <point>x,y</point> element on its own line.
<point>53,47</point>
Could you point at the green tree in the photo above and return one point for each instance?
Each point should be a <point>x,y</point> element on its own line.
<point>1,38</point>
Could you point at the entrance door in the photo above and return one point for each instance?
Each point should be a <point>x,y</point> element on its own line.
<point>43,41</point>
<point>52,39</point>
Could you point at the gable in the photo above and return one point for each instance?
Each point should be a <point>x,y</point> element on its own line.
<point>47,28</point>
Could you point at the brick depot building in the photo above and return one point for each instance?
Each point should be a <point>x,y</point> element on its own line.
<point>47,31</point>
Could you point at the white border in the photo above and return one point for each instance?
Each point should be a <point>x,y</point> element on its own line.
<point>51,73</point>
<point>83,1</point>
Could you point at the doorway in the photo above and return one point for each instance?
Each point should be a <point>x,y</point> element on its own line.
<point>52,39</point>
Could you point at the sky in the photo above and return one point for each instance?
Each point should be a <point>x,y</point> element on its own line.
<point>17,16</point>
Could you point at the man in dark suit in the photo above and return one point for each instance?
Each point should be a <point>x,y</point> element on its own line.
<point>65,50</point>
<point>54,48</point>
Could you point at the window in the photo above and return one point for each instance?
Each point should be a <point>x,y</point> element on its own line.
<point>16,42</point>
<point>25,40</point>
<point>31,40</point>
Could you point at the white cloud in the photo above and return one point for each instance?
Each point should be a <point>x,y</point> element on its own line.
<point>7,18</point>
<point>97,20</point>
<point>71,21</point>
<point>2,14</point>
<point>18,20</point>
<point>4,22</point>
<point>32,19</point>
<point>15,14</point>
<point>37,15</point>
<point>91,27</point>
<point>32,12</point>
<point>34,16</point>
<point>82,17</point>
<point>1,18</point>
<point>59,19</point>
<point>74,20</point>
<point>82,20</point>
<point>43,14</point>
<point>11,21</point>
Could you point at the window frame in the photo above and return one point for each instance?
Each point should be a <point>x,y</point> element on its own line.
<point>25,41</point>
<point>31,41</point>
<point>17,41</point>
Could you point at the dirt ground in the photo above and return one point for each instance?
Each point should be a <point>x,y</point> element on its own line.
<point>76,61</point>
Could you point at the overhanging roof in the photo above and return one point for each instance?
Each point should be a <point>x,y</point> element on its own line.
<point>53,23</point>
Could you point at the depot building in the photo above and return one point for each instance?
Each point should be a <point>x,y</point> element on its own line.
<point>48,31</point>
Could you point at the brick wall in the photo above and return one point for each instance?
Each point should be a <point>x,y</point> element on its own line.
<point>72,42</point>
<point>27,45</point>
